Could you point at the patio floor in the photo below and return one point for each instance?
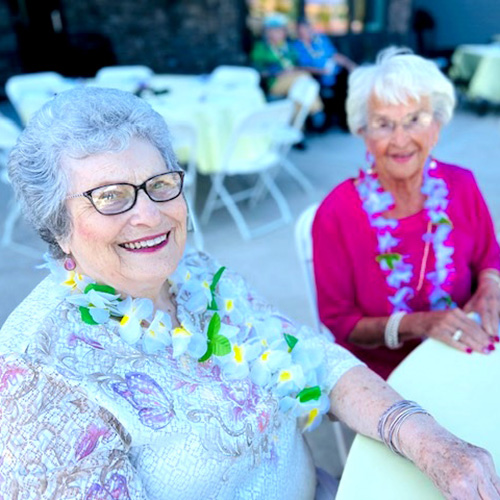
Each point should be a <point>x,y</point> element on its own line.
<point>270,263</point>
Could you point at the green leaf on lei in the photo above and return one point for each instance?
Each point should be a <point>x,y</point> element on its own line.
<point>213,304</point>
<point>100,288</point>
<point>291,341</point>
<point>216,344</point>
<point>389,258</point>
<point>86,316</point>
<point>213,326</point>
<point>309,394</point>
<point>220,345</point>
<point>207,354</point>
<point>216,278</point>
<point>444,220</point>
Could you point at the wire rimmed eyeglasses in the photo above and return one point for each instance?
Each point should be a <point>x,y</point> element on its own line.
<point>380,126</point>
<point>114,199</point>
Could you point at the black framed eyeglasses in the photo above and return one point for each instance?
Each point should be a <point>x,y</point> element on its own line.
<point>114,199</point>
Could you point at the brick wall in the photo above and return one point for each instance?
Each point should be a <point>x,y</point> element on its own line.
<point>190,36</point>
<point>9,60</point>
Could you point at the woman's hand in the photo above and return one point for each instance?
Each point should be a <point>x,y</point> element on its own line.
<point>443,326</point>
<point>486,302</point>
<point>461,471</point>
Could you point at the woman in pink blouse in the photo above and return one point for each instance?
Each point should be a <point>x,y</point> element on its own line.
<point>406,250</point>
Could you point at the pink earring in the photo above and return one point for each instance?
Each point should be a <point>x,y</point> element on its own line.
<point>69,264</point>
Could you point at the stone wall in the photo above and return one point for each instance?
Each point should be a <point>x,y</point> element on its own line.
<point>9,60</point>
<point>170,36</point>
<point>176,36</point>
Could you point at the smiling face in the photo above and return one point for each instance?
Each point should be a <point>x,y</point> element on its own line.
<point>401,154</point>
<point>134,251</point>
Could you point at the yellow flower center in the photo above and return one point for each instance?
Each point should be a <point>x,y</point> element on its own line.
<point>188,275</point>
<point>181,332</point>
<point>238,353</point>
<point>229,305</point>
<point>124,320</point>
<point>264,356</point>
<point>312,416</point>
<point>285,376</point>
<point>205,284</point>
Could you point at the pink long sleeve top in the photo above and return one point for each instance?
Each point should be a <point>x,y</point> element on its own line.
<point>350,284</point>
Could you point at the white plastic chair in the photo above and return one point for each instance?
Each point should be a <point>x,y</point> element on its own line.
<point>303,92</point>
<point>128,78</point>
<point>9,132</point>
<point>28,92</point>
<point>185,143</point>
<point>259,132</point>
<point>304,248</point>
<point>234,76</point>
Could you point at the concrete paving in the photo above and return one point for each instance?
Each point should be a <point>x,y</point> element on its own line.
<point>270,263</point>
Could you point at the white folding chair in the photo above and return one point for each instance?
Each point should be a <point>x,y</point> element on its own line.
<point>28,92</point>
<point>185,143</point>
<point>258,131</point>
<point>129,78</point>
<point>303,92</point>
<point>234,76</point>
<point>304,248</point>
<point>9,132</point>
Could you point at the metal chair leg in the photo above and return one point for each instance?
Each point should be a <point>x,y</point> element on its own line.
<point>301,179</point>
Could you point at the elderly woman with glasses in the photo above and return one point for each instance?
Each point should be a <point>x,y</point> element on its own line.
<point>407,249</point>
<point>141,370</point>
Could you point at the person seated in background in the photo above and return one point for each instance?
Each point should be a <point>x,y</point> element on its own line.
<point>316,54</point>
<point>407,249</point>
<point>276,61</point>
<point>139,369</point>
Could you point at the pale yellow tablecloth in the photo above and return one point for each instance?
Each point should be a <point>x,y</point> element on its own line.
<point>212,111</point>
<point>480,66</point>
<point>461,391</point>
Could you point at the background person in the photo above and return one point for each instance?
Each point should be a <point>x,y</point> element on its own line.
<point>276,61</point>
<point>317,55</point>
<point>139,370</point>
<point>406,249</point>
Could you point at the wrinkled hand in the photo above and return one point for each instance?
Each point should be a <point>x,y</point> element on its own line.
<point>442,325</point>
<point>486,302</point>
<point>461,471</point>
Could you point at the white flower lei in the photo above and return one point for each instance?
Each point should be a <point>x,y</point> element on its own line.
<point>236,339</point>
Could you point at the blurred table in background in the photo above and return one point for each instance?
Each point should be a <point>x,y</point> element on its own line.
<point>479,65</point>
<point>459,390</point>
<point>212,110</point>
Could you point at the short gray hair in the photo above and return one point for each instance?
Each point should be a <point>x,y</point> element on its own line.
<point>397,76</point>
<point>76,123</point>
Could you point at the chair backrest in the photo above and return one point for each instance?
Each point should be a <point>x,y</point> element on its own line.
<point>304,248</point>
<point>234,76</point>
<point>255,142</point>
<point>184,138</point>
<point>9,132</point>
<point>128,78</point>
<point>185,143</point>
<point>303,92</point>
<point>28,92</point>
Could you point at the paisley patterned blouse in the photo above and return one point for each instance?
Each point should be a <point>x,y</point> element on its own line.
<point>84,415</point>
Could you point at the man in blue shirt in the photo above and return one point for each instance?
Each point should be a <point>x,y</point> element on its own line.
<point>316,54</point>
